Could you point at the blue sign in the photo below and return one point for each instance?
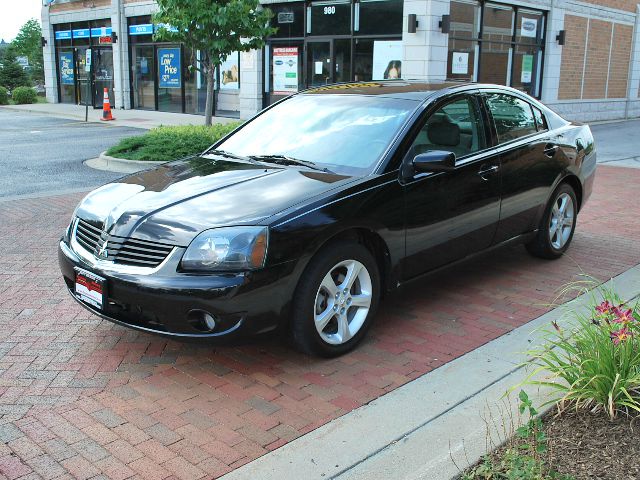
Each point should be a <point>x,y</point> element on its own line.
<point>67,76</point>
<point>97,32</point>
<point>167,26</point>
<point>81,33</point>
<point>145,29</point>
<point>169,70</point>
<point>63,35</point>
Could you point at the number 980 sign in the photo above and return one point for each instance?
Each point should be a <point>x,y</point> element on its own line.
<point>329,10</point>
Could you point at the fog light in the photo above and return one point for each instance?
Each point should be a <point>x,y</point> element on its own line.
<point>209,321</point>
<point>202,320</point>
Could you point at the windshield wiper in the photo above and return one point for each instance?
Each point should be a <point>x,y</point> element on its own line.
<point>223,153</point>
<point>286,160</point>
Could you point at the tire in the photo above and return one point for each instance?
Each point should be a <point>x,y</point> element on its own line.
<point>551,242</point>
<point>318,301</point>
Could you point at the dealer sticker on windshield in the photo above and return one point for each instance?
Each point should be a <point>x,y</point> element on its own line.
<point>90,288</point>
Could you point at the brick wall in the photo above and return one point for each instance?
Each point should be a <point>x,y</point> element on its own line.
<point>573,57</point>
<point>628,5</point>
<point>620,58</point>
<point>597,66</point>
<point>607,65</point>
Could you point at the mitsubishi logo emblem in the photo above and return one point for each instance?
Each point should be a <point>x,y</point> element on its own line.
<point>103,252</point>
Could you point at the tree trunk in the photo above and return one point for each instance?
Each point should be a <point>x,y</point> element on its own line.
<point>209,102</point>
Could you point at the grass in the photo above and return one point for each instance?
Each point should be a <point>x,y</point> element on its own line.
<point>164,144</point>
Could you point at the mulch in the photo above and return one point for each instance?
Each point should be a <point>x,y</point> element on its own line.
<point>589,446</point>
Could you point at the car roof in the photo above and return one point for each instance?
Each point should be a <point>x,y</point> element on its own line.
<point>405,89</point>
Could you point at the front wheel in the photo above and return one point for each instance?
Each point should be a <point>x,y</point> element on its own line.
<point>557,226</point>
<point>336,300</point>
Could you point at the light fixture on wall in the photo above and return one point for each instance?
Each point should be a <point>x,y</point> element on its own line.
<point>445,24</point>
<point>43,42</point>
<point>412,24</point>
<point>114,37</point>
<point>561,37</point>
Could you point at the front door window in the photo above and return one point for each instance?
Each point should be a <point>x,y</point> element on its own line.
<point>102,75</point>
<point>143,77</point>
<point>318,63</point>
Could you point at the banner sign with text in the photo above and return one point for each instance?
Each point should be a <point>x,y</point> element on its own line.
<point>67,76</point>
<point>169,71</point>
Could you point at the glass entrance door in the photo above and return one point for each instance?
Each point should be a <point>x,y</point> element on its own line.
<point>319,63</point>
<point>143,77</point>
<point>328,61</point>
<point>102,75</point>
<point>83,89</point>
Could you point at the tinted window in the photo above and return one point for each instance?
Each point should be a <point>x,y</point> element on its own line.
<point>288,18</point>
<point>329,18</point>
<point>513,117</point>
<point>380,17</point>
<point>541,122</point>
<point>345,133</point>
<point>456,127</point>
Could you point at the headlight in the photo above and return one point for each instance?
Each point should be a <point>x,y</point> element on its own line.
<point>227,249</point>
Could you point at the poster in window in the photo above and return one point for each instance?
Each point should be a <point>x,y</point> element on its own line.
<point>527,68</point>
<point>169,70</point>
<point>460,63</point>
<point>230,73</point>
<point>285,70</point>
<point>387,59</point>
<point>67,76</point>
<point>529,27</point>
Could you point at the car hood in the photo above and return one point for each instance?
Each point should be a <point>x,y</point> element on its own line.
<point>178,200</point>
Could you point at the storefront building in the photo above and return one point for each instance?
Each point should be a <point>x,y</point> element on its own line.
<point>582,58</point>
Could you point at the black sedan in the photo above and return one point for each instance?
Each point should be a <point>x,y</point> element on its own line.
<point>304,216</point>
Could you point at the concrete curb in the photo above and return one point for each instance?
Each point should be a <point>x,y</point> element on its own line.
<point>119,165</point>
<point>433,427</point>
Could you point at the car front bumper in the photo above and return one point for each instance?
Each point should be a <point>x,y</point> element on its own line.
<point>167,302</point>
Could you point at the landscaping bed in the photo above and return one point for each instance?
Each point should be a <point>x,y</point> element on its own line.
<point>164,144</point>
<point>593,365</point>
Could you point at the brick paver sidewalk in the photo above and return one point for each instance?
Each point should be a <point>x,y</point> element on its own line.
<point>80,397</point>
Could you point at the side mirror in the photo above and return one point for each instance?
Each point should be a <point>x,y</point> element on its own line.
<point>435,161</point>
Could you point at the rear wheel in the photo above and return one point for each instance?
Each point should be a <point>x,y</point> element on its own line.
<point>557,226</point>
<point>336,300</point>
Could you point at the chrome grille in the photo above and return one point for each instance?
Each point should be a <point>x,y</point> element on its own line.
<point>120,250</point>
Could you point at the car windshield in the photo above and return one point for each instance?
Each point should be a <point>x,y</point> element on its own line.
<point>342,133</point>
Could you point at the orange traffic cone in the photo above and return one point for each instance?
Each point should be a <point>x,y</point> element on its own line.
<point>106,107</point>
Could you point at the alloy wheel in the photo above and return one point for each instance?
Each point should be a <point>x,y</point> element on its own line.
<point>561,221</point>
<point>342,302</point>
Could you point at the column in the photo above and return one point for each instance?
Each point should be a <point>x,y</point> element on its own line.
<point>425,52</point>
<point>250,83</point>
<point>552,54</point>
<point>121,75</point>
<point>49,51</point>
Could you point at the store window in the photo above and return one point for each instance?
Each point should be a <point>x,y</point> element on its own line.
<point>378,17</point>
<point>491,42</point>
<point>329,18</point>
<point>288,19</point>
<point>78,81</point>
<point>169,77</point>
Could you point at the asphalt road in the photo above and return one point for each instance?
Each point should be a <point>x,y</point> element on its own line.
<point>43,155</point>
<point>618,143</point>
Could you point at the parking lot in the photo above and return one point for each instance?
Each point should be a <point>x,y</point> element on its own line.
<point>80,396</point>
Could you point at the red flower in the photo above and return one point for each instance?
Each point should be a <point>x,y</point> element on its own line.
<point>620,335</point>
<point>623,316</point>
<point>604,308</point>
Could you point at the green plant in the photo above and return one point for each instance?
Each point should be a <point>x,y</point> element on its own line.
<point>521,459</point>
<point>595,364</point>
<point>23,95</point>
<point>4,96</point>
<point>12,75</point>
<point>28,44</point>
<point>215,28</point>
<point>170,143</point>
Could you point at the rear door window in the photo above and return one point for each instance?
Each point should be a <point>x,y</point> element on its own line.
<point>512,116</point>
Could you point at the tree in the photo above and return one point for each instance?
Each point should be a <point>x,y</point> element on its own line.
<point>12,74</point>
<point>215,28</point>
<point>28,44</point>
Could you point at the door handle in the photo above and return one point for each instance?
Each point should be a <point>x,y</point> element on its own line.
<point>486,171</point>
<point>550,150</point>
